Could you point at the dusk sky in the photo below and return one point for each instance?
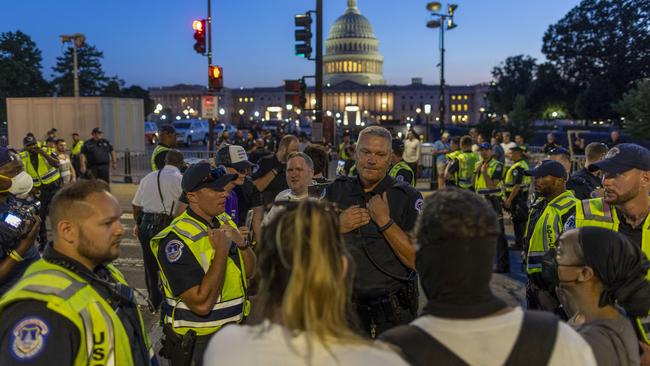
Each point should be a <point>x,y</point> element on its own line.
<point>149,43</point>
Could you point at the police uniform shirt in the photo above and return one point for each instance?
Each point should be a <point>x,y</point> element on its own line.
<point>635,235</point>
<point>518,176</point>
<point>582,183</point>
<point>404,175</point>
<point>367,244</point>
<point>55,339</point>
<point>177,262</point>
<point>497,175</point>
<point>278,184</point>
<point>97,152</point>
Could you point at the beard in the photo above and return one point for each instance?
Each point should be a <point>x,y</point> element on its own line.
<point>90,250</point>
<point>624,197</point>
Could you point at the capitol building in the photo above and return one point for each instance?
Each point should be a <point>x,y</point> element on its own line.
<point>354,91</point>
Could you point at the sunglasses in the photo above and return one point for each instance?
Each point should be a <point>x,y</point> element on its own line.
<point>215,174</point>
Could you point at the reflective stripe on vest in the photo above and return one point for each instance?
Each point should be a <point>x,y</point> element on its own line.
<point>548,229</point>
<point>232,305</point>
<point>76,148</point>
<point>103,339</point>
<point>159,148</point>
<point>481,185</point>
<point>466,164</point>
<point>45,174</point>
<point>343,155</point>
<point>510,179</point>
<point>399,166</point>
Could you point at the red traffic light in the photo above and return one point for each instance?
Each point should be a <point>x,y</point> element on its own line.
<point>198,25</point>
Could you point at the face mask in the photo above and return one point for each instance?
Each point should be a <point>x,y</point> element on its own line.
<point>20,184</point>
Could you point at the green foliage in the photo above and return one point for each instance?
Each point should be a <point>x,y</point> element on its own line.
<point>512,77</point>
<point>521,118</point>
<point>92,79</point>
<point>601,47</point>
<point>635,108</point>
<point>20,69</point>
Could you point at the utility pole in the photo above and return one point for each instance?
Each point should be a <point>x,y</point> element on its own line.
<point>77,40</point>
<point>442,108</point>
<point>319,61</point>
<point>212,121</point>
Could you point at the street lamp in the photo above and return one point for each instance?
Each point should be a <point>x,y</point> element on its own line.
<point>77,41</point>
<point>442,21</point>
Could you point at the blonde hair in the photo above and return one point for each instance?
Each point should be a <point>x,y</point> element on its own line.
<point>303,277</point>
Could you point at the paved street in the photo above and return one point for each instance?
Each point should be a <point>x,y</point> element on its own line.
<point>508,287</point>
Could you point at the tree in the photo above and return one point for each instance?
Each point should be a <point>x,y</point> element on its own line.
<point>92,80</point>
<point>635,108</point>
<point>547,89</point>
<point>20,69</point>
<point>512,77</point>
<point>601,47</point>
<point>520,119</point>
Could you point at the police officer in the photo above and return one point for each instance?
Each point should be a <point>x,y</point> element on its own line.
<point>489,184</point>
<point>270,177</point>
<point>43,167</point>
<point>464,164</point>
<point>517,187</point>
<point>625,207</point>
<point>548,215</point>
<point>584,183</point>
<point>75,151</point>
<point>378,211</point>
<point>205,264</point>
<point>167,141</point>
<point>17,250</point>
<point>400,169</point>
<point>96,155</point>
<point>451,179</point>
<point>73,307</point>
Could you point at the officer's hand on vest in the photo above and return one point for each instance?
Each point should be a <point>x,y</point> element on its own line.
<point>352,218</point>
<point>220,240</point>
<point>234,235</point>
<point>379,211</point>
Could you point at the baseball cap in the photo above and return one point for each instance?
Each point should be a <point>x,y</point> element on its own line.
<point>29,140</point>
<point>548,168</point>
<point>5,156</point>
<point>167,129</point>
<point>398,145</point>
<point>559,151</point>
<point>485,146</point>
<point>202,175</point>
<point>97,130</point>
<point>233,156</point>
<point>622,158</point>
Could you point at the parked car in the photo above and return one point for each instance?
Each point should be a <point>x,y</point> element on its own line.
<point>190,131</point>
<point>150,133</point>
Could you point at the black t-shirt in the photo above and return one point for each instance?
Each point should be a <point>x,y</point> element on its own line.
<point>97,152</point>
<point>368,247</point>
<point>248,197</point>
<point>635,235</point>
<point>582,183</point>
<point>258,154</point>
<point>278,184</point>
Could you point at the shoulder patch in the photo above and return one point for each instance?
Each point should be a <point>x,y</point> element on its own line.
<point>399,178</point>
<point>174,250</point>
<point>28,338</point>
<point>419,204</point>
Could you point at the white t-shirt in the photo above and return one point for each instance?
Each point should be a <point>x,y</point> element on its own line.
<point>148,197</point>
<point>286,195</point>
<point>488,341</point>
<point>411,150</point>
<point>272,344</point>
<point>506,149</point>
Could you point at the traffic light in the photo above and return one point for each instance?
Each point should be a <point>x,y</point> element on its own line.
<point>295,93</point>
<point>303,35</point>
<point>215,74</point>
<point>199,35</point>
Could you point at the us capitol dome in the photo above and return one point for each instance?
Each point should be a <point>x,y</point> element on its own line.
<point>352,50</point>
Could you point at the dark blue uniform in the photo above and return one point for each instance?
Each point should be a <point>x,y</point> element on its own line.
<point>385,291</point>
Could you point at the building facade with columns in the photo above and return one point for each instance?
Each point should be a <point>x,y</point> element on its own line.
<point>355,91</point>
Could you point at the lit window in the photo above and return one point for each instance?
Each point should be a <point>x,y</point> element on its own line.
<point>465,97</point>
<point>252,99</point>
<point>246,100</point>
<point>240,100</point>
<point>453,119</point>
<point>453,97</point>
<point>453,108</point>
<point>466,119</point>
<point>465,107</point>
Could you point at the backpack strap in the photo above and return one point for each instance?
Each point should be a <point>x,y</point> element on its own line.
<point>536,341</point>
<point>419,348</point>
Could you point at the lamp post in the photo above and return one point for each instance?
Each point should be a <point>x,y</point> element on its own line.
<point>77,41</point>
<point>442,21</point>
